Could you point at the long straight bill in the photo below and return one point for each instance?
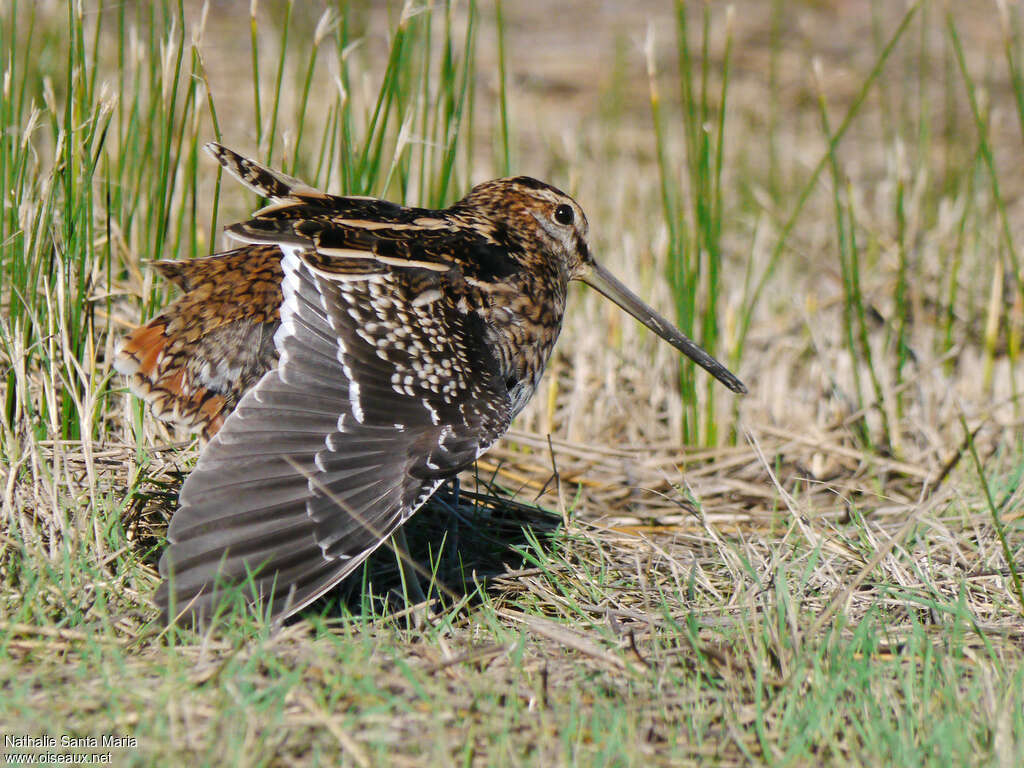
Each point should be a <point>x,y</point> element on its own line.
<point>604,281</point>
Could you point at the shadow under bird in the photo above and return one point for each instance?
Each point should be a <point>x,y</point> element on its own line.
<point>342,363</point>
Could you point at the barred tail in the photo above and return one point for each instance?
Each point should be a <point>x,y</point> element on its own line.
<point>264,181</point>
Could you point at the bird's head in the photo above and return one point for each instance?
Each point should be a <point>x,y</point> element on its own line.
<point>534,221</point>
<point>542,222</point>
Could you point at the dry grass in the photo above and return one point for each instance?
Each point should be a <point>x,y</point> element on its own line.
<point>830,587</point>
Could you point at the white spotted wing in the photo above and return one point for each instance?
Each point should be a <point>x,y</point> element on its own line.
<point>384,388</point>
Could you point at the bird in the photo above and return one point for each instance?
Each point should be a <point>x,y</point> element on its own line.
<point>348,357</point>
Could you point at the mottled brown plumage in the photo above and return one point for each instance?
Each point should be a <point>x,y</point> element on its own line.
<point>195,360</point>
<point>343,362</point>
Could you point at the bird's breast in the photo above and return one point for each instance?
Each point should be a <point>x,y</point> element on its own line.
<point>520,328</point>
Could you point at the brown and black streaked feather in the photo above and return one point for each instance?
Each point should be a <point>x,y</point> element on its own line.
<point>195,360</point>
<point>349,357</point>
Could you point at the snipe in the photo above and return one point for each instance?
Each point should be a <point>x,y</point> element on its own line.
<point>345,361</point>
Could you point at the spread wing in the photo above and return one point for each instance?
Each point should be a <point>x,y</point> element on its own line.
<point>384,388</point>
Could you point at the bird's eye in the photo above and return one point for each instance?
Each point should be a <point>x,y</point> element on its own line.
<point>564,214</point>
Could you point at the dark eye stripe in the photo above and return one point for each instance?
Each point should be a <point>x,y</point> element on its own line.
<point>582,250</point>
